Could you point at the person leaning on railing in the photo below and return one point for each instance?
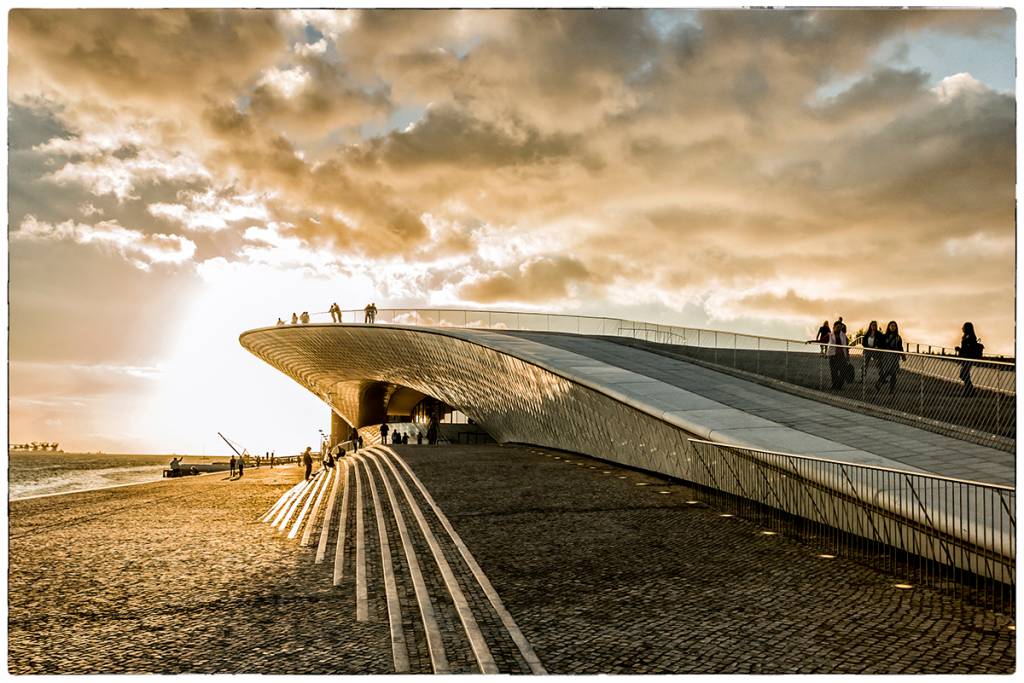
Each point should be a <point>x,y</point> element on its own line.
<point>823,334</point>
<point>889,363</point>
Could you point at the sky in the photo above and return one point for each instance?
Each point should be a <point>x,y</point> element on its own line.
<point>176,177</point>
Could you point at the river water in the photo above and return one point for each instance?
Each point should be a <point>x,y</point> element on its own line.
<point>40,473</point>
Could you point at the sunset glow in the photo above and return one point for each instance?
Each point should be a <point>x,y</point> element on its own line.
<point>179,176</point>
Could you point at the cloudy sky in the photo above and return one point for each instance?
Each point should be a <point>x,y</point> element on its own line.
<point>176,177</point>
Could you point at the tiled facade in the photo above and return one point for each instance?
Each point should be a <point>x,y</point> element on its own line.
<point>513,400</point>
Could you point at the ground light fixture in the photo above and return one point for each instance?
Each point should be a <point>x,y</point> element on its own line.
<point>724,514</point>
<point>903,586</point>
<point>769,533</point>
<point>827,556</point>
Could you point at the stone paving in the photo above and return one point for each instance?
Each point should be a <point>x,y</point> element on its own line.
<point>604,576</point>
<point>601,574</point>
<point>909,445</point>
<point>176,577</point>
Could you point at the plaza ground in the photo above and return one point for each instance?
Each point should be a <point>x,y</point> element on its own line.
<point>604,569</point>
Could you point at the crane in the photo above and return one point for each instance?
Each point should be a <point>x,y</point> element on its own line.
<point>232,445</point>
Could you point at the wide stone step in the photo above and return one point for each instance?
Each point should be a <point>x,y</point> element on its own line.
<point>383,539</point>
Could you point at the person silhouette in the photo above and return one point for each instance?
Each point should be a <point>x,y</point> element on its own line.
<point>889,365</point>
<point>971,348</point>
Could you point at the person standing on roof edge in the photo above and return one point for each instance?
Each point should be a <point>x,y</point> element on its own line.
<point>838,355</point>
<point>969,347</point>
<point>890,362</point>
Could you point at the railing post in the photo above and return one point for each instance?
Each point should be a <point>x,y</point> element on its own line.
<point>999,413</point>
<point>716,347</point>
<point>757,356</point>
<point>785,372</point>
<point>920,383</point>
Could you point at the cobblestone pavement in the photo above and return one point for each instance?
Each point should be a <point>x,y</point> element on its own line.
<point>176,577</point>
<point>601,574</point>
<point>605,576</point>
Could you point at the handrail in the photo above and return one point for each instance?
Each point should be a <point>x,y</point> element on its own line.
<point>879,468</point>
<point>950,534</point>
<point>667,327</point>
<point>967,398</point>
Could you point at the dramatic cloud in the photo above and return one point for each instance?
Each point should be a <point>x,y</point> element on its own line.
<point>760,169</point>
<point>140,249</point>
<point>210,210</point>
<point>544,279</point>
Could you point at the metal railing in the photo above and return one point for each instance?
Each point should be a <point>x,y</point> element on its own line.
<point>949,534</point>
<point>971,399</point>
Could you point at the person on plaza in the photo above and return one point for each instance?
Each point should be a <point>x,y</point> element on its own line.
<point>232,465</point>
<point>304,318</point>
<point>367,315</point>
<point>870,341</point>
<point>241,466</point>
<point>354,438</point>
<point>338,452</point>
<point>384,433</point>
<point>823,334</point>
<point>273,458</point>
<point>359,441</point>
<point>432,431</point>
<point>405,439</point>
<point>295,318</point>
<point>176,465</point>
<point>971,348</point>
<point>838,355</point>
<point>889,363</point>
<point>335,313</point>
<point>328,460</point>
<point>373,313</point>
<point>280,322</point>
<point>419,438</point>
<point>307,460</point>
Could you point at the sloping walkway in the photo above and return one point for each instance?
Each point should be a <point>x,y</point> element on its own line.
<point>916,448</point>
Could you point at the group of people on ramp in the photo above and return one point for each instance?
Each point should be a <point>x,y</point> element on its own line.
<point>885,351</point>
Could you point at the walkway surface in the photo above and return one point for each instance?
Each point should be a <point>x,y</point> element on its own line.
<point>602,569</point>
<point>901,443</point>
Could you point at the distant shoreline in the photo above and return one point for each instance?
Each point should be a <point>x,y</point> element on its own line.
<point>102,488</point>
<point>120,455</point>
